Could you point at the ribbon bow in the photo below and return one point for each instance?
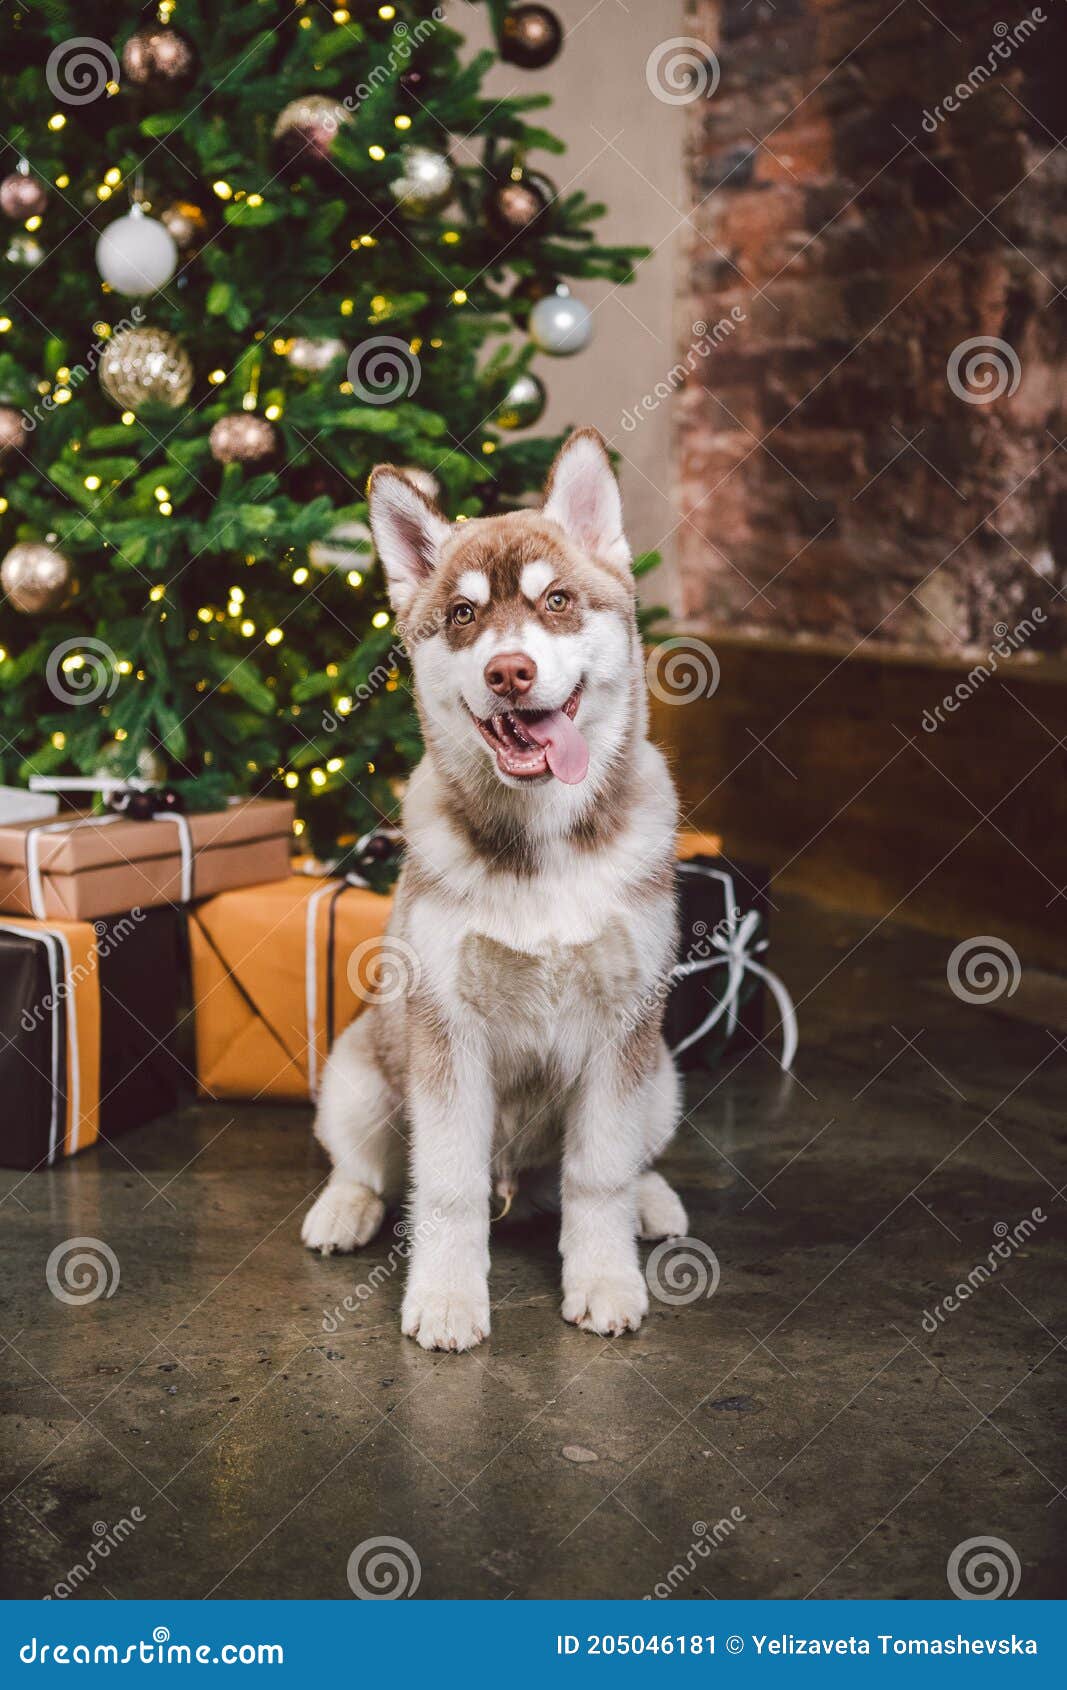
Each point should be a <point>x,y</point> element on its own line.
<point>736,954</point>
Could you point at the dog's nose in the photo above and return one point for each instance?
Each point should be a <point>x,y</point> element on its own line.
<point>511,674</point>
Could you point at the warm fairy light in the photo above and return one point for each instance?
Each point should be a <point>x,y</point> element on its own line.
<point>237,595</point>
<point>113,176</point>
<point>347,307</point>
<point>379,303</point>
<point>120,734</point>
<point>3,654</point>
<point>3,505</point>
<point>103,192</point>
<point>56,121</point>
<point>128,418</point>
<point>292,780</point>
<point>335,764</point>
<point>450,237</point>
<point>92,482</point>
<point>273,412</point>
<point>488,447</point>
<point>376,152</point>
<point>223,190</point>
<point>380,619</point>
<point>124,666</point>
<point>355,579</point>
<point>63,397</point>
<point>5,324</point>
<point>32,224</point>
<point>318,777</point>
<point>459,297</point>
<point>345,387</point>
<point>305,23</point>
<point>248,403</point>
<point>157,592</point>
<point>402,121</point>
<point>300,575</point>
<point>63,181</point>
<point>59,740</point>
<point>63,372</point>
<point>370,768</point>
<point>341,15</point>
<point>255,199</point>
<point>331,670</point>
<point>165,508</point>
<point>216,376</point>
<point>344,705</point>
<point>160,493</point>
<point>248,628</point>
<point>76,661</point>
<point>274,636</point>
<point>387,12</point>
<point>206,614</point>
<point>436,341</point>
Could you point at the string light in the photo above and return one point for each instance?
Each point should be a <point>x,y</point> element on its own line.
<point>459,297</point>
<point>347,307</point>
<point>113,176</point>
<point>56,121</point>
<point>206,614</point>
<point>160,493</point>
<point>128,418</point>
<point>32,224</point>
<point>402,121</point>
<point>344,705</point>
<point>376,152</point>
<point>63,397</point>
<point>380,619</point>
<point>335,764</point>
<point>63,181</point>
<point>292,780</point>
<point>451,237</point>
<point>354,578</point>
<point>124,666</point>
<point>92,482</point>
<point>273,412</point>
<point>223,190</point>
<point>274,636</point>
<point>248,628</point>
<point>341,15</point>
<point>59,740</point>
<point>165,508</point>
<point>318,777</point>
<point>488,447</point>
<point>216,377</point>
<point>156,593</point>
<point>387,12</point>
<point>255,199</point>
<point>5,324</point>
<point>103,192</point>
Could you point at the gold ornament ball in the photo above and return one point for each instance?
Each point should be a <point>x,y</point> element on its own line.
<point>22,196</point>
<point>146,367</point>
<point>36,577</point>
<point>12,432</point>
<point>426,183</point>
<point>186,224</point>
<point>242,438</point>
<point>157,60</point>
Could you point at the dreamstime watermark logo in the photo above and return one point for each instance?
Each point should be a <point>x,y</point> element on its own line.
<point>383,1569</point>
<point>706,337</point>
<point>680,1270</point>
<point>105,1539</point>
<point>983,969</point>
<point>81,670</point>
<point>983,369</point>
<point>706,1539</point>
<point>682,669</point>
<point>1007,643</point>
<point>407,1238</point>
<point>382,970</point>
<point>79,70</point>
<point>109,935</point>
<point>81,1270</point>
<point>77,373</point>
<point>1007,38</point>
<point>682,70</point>
<point>983,1569</point>
<point>1009,1239</point>
<point>383,370</point>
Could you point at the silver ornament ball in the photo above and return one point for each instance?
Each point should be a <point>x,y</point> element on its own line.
<point>523,403</point>
<point>36,577</point>
<point>561,325</point>
<point>136,255</point>
<point>145,366</point>
<point>425,184</point>
<point>243,438</point>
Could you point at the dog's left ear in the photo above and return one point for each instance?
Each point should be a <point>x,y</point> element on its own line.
<point>409,532</point>
<point>582,495</point>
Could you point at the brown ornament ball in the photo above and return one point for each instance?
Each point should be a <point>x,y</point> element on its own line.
<point>531,37</point>
<point>513,207</point>
<point>146,366</point>
<point>12,432</point>
<point>22,196</point>
<point>36,578</point>
<point>307,128</point>
<point>186,223</point>
<point>159,60</point>
<point>243,438</point>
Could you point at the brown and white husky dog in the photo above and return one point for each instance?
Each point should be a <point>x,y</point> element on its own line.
<point>534,921</point>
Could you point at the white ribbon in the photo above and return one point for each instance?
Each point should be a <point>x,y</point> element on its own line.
<point>736,954</point>
<point>55,945</point>
<point>33,852</point>
<point>311,981</point>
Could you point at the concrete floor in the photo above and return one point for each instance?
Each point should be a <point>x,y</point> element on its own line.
<point>847,1449</point>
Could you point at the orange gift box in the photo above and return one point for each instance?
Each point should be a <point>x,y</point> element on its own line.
<point>278,971</point>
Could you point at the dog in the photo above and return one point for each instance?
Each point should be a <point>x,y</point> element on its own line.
<point>534,923</point>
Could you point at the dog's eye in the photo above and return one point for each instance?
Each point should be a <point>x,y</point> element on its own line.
<point>462,615</point>
<point>557,599</point>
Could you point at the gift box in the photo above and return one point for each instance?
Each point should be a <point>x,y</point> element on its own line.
<point>88,1012</point>
<point>78,868</point>
<point>277,972</point>
<point>719,984</point>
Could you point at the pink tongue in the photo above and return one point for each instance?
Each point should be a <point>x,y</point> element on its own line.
<point>565,749</point>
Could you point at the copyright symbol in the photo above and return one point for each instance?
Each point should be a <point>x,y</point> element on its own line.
<point>734,1645</point>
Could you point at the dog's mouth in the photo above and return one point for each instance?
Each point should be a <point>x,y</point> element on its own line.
<point>529,743</point>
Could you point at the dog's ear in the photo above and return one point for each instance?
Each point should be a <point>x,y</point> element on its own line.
<point>582,495</point>
<point>408,530</point>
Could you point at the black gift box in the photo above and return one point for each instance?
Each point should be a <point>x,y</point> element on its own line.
<point>722,905</point>
<point>88,1018</point>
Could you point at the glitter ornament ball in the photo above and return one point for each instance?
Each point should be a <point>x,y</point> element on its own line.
<point>243,438</point>
<point>426,183</point>
<point>36,577</point>
<point>136,255</point>
<point>159,61</point>
<point>22,195</point>
<point>145,366</point>
<point>561,325</point>
<point>307,127</point>
<point>12,433</point>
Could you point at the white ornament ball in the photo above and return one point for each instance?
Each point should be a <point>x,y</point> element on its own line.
<point>561,325</point>
<point>348,546</point>
<point>136,255</point>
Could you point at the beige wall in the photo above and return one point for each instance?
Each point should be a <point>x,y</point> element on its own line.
<point>624,147</point>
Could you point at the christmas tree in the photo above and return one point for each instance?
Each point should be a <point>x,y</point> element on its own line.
<point>252,248</point>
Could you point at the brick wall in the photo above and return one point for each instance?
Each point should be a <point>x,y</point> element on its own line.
<point>865,231</point>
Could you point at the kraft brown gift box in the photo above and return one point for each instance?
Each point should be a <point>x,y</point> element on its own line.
<point>91,866</point>
<point>275,973</point>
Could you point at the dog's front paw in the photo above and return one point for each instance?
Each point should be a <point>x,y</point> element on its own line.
<point>607,1305</point>
<point>344,1217</point>
<point>447,1320</point>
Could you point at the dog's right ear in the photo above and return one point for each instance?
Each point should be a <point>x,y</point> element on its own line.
<point>409,532</point>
